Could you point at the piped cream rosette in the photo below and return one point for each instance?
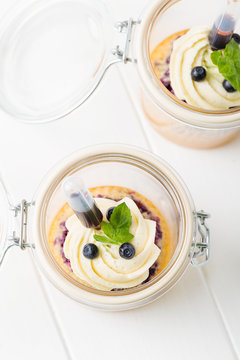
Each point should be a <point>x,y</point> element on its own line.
<point>109,270</point>
<point>190,50</point>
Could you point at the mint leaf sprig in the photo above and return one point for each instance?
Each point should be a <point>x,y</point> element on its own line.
<point>228,63</point>
<point>117,229</point>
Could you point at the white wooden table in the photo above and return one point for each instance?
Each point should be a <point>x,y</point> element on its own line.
<point>199,318</point>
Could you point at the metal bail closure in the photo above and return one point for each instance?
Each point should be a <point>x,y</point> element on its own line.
<point>202,246</point>
<point>15,239</point>
<point>120,54</point>
<point>125,27</point>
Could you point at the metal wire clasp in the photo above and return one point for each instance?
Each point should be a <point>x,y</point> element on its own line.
<point>125,27</point>
<point>15,239</point>
<point>201,250</point>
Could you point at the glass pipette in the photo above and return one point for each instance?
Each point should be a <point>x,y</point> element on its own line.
<point>81,201</point>
<point>224,25</point>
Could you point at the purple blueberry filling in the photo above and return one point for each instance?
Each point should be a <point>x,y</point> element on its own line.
<point>167,73</point>
<point>146,213</point>
<point>60,241</point>
<point>152,272</point>
<point>165,79</point>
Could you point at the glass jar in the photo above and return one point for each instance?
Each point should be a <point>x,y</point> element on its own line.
<point>54,54</point>
<point>176,120</point>
<point>117,165</point>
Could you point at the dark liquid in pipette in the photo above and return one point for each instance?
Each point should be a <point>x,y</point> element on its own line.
<point>91,218</point>
<point>219,37</point>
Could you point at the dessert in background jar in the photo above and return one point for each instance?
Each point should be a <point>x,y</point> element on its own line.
<point>202,77</point>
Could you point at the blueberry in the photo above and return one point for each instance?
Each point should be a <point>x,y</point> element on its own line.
<point>90,251</point>
<point>228,86</point>
<point>127,251</point>
<point>109,212</point>
<point>198,73</point>
<point>236,37</point>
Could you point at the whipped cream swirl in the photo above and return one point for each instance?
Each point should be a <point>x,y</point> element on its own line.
<point>109,271</point>
<point>190,50</point>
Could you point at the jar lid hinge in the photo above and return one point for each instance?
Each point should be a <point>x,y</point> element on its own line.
<point>201,248</point>
<point>125,27</point>
<point>14,239</point>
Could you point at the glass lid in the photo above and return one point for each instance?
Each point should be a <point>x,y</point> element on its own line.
<point>53,55</point>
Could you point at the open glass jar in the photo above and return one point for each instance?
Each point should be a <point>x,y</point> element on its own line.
<point>54,54</point>
<point>115,165</point>
<point>172,117</point>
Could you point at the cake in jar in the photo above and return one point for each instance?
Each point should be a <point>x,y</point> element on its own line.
<point>197,73</point>
<point>131,246</point>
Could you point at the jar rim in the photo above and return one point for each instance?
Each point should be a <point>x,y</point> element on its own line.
<point>137,157</point>
<point>162,97</point>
